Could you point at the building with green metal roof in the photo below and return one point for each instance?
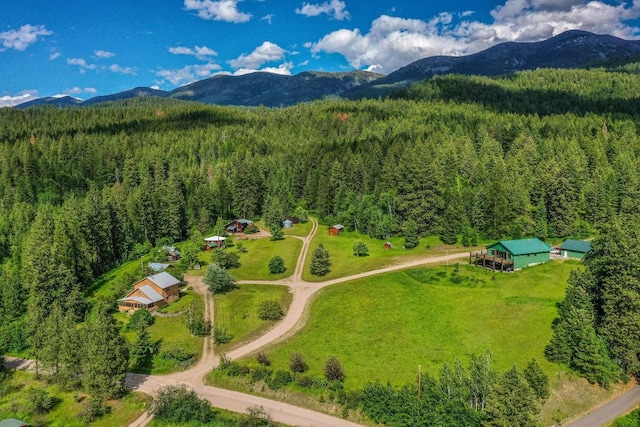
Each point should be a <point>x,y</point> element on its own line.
<point>522,252</point>
<point>575,248</point>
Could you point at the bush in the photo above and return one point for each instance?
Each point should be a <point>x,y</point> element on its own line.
<point>221,336</point>
<point>280,379</point>
<point>241,248</point>
<point>140,320</point>
<point>276,265</point>
<point>251,229</point>
<point>177,404</point>
<point>40,400</point>
<point>297,363</point>
<point>260,373</point>
<point>360,249</point>
<point>256,416</point>
<point>180,356</point>
<point>333,370</point>
<point>263,359</point>
<point>277,234</point>
<point>218,278</point>
<point>93,409</point>
<point>320,261</point>
<point>270,310</point>
<point>226,259</point>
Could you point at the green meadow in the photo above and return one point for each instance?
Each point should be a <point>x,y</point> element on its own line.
<point>236,311</point>
<point>14,403</point>
<point>345,263</point>
<point>384,327</point>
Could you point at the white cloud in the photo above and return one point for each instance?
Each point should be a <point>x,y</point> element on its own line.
<point>200,52</point>
<point>122,70</point>
<point>224,10</point>
<point>394,42</point>
<point>77,90</point>
<point>103,54</point>
<point>335,8</point>
<point>22,38</point>
<point>283,69</point>
<point>187,74</point>
<point>19,98</point>
<point>54,55</point>
<point>266,52</point>
<point>82,64</point>
<point>268,18</point>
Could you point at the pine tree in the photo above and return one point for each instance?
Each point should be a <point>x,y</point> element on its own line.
<point>320,261</point>
<point>512,402</point>
<point>537,379</point>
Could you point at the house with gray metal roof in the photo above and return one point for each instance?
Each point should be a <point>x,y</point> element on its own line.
<point>151,293</point>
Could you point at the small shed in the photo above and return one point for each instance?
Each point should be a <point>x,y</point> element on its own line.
<point>172,253</point>
<point>334,230</point>
<point>387,245</point>
<point>575,248</point>
<point>287,223</point>
<point>214,242</point>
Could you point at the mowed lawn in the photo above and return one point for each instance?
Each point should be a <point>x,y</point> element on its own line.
<point>384,327</point>
<point>344,263</point>
<point>254,264</point>
<point>237,311</point>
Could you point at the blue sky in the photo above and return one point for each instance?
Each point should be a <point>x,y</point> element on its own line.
<point>86,48</point>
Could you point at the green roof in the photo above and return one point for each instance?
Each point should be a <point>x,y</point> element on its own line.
<point>576,246</point>
<point>524,246</point>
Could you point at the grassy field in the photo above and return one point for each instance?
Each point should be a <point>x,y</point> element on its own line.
<point>384,327</point>
<point>344,263</point>
<point>299,229</point>
<point>14,403</point>
<point>254,264</point>
<point>172,332</point>
<point>236,311</point>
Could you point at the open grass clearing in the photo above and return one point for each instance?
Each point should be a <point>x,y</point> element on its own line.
<point>299,229</point>
<point>384,327</point>
<point>254,264</point>
<point>14,403</point>
<point>172,332</point>
<point>236,311</point>
<point>345,263</point>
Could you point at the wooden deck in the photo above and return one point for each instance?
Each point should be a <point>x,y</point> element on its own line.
<point>482,259</point>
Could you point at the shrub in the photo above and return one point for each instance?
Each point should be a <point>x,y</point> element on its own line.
<point>263,359</point>
<point>297,363</point>
<point>280,379</point>
<point>218,278</point>
<point>277,234</point>
<point>182,357</point>
<point>221,336</point>
<point>260,373</point>
<point>276,265</point>
<point>177,404</point>
<point>256,416</point>
<point>305,381</point>
<point>360,249</point>
<point>93,409</point>
<point>40,400</point>
<point>251,229</point>
<point>241,248</point>
<point>140,320</point>
<point>270,310</point>
<point>333,370</point>
<point>320,261</point>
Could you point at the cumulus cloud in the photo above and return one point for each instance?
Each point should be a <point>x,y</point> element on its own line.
<point>82,64</point>
<point>103,54</point>
<point>115,68</point>
<point>266,52</point>
<point>224,10</point>
<point>187,74</point>
<point>54,55</point>
<point>283,69</point>
<point>19,98</point>
<point>393,42</point>
<point>23,37</point>
<point>268,18</point>
<point>335,8</point>
<point>200,52</point>
<point>77,90</point>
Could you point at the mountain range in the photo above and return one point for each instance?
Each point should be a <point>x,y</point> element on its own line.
<point>572,49</point>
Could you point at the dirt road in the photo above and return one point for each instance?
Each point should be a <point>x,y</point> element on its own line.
<point>611,410</point>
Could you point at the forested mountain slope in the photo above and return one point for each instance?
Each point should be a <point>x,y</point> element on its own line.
<point>543,153</point>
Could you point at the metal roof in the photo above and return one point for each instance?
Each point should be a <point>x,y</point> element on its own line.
<point>150,293</point>
<point>141,300</point>
<point>524,246</point>
<point>157,266</point>
<point>215,239</point>
<point>576,246</point>
<point>163,279</point>
<point>338,226</point>
<point>12,422</point>
<point>244,221</point>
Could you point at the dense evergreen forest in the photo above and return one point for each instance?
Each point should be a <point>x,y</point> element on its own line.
<point>547,153</point>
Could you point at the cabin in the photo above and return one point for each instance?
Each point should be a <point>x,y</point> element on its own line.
<point>387,245</point>
<point>12,422</point>
<point>172,253</point>
<point>151,293</point>
<point>574,248</point>
<point>158,266</point>
<point>287,223</point>
<point>334,230</point>
<point>237,225</point>
<point>511,255</point>
<point>214,242</point>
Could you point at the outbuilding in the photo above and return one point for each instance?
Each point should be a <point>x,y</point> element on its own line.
<point>509,255</point>
<point>575,248</point>
<point>214,242</point>
<point>334,230</point>
<point>287,223</point>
